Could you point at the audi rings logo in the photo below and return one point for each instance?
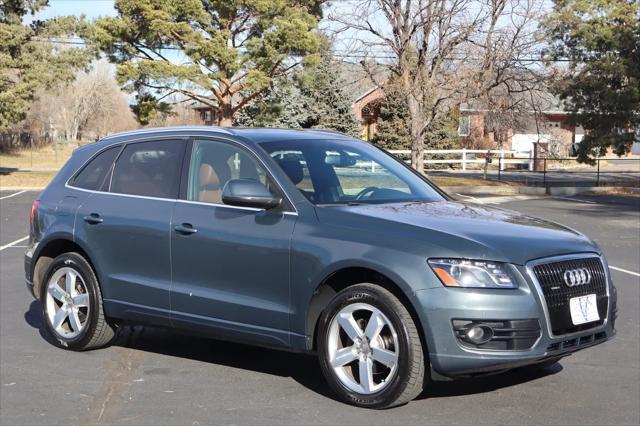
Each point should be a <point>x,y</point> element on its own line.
<point>576,277</point>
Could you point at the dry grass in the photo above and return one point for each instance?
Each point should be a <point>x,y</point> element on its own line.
<point>48,157</point>
<point>41,179</point>
<point>25,179</point>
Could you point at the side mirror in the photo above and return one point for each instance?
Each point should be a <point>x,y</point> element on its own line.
<point>249,193</point>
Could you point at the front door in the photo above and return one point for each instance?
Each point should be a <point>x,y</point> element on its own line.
<point>230,264</point>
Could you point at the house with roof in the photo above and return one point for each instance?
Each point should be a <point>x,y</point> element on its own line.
<point>481,128</point>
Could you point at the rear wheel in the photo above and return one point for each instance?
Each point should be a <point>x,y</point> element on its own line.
<point>369,348</point>
<point>72,304</point>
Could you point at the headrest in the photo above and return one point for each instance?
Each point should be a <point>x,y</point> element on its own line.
<point>208,176</point>
<point>292,168</point>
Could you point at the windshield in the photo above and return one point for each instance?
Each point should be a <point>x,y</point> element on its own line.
<point>348,172</point>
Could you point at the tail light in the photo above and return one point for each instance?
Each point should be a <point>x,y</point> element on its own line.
<point>34,210</point>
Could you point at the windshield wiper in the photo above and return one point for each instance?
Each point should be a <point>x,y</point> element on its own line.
<point>342,204</point>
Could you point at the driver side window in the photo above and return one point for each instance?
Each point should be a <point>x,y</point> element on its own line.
<point>213,164</point>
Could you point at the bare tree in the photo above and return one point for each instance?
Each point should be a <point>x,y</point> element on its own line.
<point>181,114</point>
<point>510,83</point>
<point>442,52</point>
<point>91,106</point>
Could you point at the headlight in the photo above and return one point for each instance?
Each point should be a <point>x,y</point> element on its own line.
<point>472,273</point>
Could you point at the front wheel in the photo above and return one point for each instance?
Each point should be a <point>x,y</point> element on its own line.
<point>72,305</point>
<point>369,348</point>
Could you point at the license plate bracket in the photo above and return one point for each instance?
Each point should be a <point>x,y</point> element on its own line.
<point>584,309</point>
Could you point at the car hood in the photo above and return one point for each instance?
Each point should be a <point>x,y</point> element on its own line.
<point>462,229</point>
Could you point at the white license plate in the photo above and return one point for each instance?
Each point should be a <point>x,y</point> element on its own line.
<point>584,309</point>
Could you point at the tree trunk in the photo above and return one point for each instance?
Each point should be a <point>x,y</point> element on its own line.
<point>416,118</point>
<point>225,114</point>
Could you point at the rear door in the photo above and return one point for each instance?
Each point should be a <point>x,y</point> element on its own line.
<point>126,226</point>
<point>230,264</point>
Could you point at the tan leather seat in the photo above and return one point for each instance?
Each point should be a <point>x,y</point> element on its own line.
<point>210,185</point>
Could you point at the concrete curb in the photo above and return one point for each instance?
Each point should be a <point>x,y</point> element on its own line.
<point>573,190</point>
<point>473,190</point>
<point>535,190</point>
<point>495,190</point>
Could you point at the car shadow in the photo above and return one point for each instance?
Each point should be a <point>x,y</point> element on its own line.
<point>488,383</point>
<point>33,317</point>
<point>303,368</point>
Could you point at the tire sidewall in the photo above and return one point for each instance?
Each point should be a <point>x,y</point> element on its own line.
<point>394,389</point>
<point>80,265</point>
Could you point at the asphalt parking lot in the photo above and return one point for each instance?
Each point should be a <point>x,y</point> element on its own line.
<point>154,376</point>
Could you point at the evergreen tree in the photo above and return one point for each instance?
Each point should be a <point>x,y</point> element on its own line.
<point>393,130</point>
<point>601,88</point>
<point>315,97</point>
<point>282,106</point>
<point>28,62</point>
<point>326,98</point>
<point>234,49</point>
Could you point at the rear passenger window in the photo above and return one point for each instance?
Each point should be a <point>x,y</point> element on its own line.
<point>94,174</point>
<point>149,168</point>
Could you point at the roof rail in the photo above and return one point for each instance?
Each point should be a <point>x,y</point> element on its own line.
<point>168,129</point>
<point>332,131</point>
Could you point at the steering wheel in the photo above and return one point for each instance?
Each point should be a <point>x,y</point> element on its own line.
<point>367,190</point>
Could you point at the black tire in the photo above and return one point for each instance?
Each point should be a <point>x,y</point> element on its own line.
<point>409,378</point>
<point>97,331</point>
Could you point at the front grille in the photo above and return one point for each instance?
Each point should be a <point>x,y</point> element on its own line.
<point>557,294</point>
<point>577,342</point>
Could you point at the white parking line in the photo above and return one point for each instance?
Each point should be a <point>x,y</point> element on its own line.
<point>635,274</point>
<point>470,197</point>
<point>576,200</point>
<point>13,195</point>
<point>14,243</point>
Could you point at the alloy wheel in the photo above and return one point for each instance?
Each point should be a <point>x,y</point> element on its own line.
<point>363,348</point>
<point>67,303</point>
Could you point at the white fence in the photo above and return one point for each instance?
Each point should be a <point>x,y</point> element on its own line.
<point>470,156</point>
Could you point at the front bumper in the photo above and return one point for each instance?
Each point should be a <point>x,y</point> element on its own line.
<point>438,307</point>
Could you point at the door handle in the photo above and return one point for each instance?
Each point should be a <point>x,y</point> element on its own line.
<point>185,229</point>
<point>93,219</point>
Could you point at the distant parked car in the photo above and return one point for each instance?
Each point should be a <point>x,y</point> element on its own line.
<point>308,241</point>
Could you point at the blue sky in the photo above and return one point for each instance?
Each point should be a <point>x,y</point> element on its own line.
<point>90,8</point>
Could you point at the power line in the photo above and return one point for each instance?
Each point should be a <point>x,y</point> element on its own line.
<point>355,55</point>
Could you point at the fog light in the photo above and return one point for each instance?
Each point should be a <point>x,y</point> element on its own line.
<point>479,334</point>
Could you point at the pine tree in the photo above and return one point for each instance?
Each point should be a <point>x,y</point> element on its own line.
<point>282,106</point>
<point>316,97</point>
<point>393,131</point>
<point>326,98</point>
<point>601,88</point>
<point>28,63</point>
<point>236,49</point>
